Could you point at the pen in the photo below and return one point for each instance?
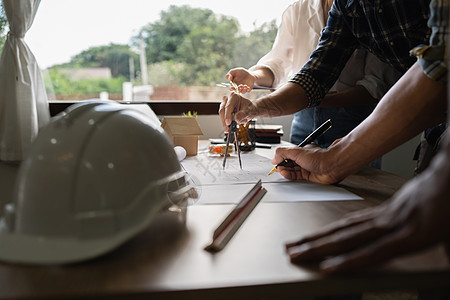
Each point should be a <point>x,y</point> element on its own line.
<point>315,134</point>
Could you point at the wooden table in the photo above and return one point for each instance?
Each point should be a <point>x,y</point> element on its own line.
<point>168,262</point>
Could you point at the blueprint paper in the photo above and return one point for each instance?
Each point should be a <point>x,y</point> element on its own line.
<point>228,186</point>
<point>209,170</point>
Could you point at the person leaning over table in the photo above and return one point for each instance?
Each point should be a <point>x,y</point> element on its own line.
<point>362,83</point>
<point>389,30</point>
<point>417,216</point>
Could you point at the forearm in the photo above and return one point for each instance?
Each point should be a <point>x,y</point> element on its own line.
<point>286,100</point>
<point>263,76</point>
<point>412,105</point>
<point>355,96</point>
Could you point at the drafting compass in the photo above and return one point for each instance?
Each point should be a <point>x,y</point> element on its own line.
<point>232,133</point>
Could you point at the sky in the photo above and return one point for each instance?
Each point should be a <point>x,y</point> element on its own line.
<point>64,28</point>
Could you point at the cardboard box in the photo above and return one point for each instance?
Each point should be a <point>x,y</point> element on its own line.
<point>184,132</point>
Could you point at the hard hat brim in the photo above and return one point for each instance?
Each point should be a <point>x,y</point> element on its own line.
<point>37,250</point>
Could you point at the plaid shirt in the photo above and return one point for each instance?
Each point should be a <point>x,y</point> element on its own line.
<point>387,28</point>
<point>432,57</point>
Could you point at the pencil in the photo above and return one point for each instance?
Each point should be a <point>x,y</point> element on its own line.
<point>314,135</point>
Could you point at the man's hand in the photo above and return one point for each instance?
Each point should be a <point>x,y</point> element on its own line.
<point>243,108</point>
<point>243,78</point>
<point>417,217</point>
<point>311,163</point>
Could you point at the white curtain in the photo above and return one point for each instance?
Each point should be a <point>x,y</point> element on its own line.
<point>23,100</point>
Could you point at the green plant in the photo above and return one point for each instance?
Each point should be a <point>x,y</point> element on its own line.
<point>60,84</point>
<point>190,114</point>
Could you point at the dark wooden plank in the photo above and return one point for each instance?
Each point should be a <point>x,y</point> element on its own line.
<point>162,108</point>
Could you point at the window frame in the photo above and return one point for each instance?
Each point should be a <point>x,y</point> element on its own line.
<point>162,108</point>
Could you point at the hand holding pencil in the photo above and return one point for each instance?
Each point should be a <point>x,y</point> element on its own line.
<point>314,135</point>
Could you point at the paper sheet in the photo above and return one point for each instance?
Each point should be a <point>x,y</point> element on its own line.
<point>276,192</point>
<point>208,169</point>
<point>229,186</point>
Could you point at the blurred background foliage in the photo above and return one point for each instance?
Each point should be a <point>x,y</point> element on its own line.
<point>185,47</point>
<point>3,25</point>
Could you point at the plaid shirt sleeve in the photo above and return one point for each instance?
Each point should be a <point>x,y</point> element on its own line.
<point>432,57</point>
<point>335,47</point>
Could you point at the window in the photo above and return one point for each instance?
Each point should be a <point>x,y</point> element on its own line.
<point>148,50</point>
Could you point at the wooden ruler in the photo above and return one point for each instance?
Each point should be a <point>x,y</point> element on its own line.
<point>223,234</point>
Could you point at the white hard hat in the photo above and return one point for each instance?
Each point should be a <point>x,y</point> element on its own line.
<point>94,177</point>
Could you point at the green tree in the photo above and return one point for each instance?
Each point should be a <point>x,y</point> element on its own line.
<point>196,38</point>
<point>114,56</point>
<point>164,37</point>
<point>208,51</point>
<point>3,25</point>
<point>202,45</point>
<point>250,48</point>
<point>166,73</point>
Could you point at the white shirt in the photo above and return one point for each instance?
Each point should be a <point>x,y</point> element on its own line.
<point>298,36</point>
